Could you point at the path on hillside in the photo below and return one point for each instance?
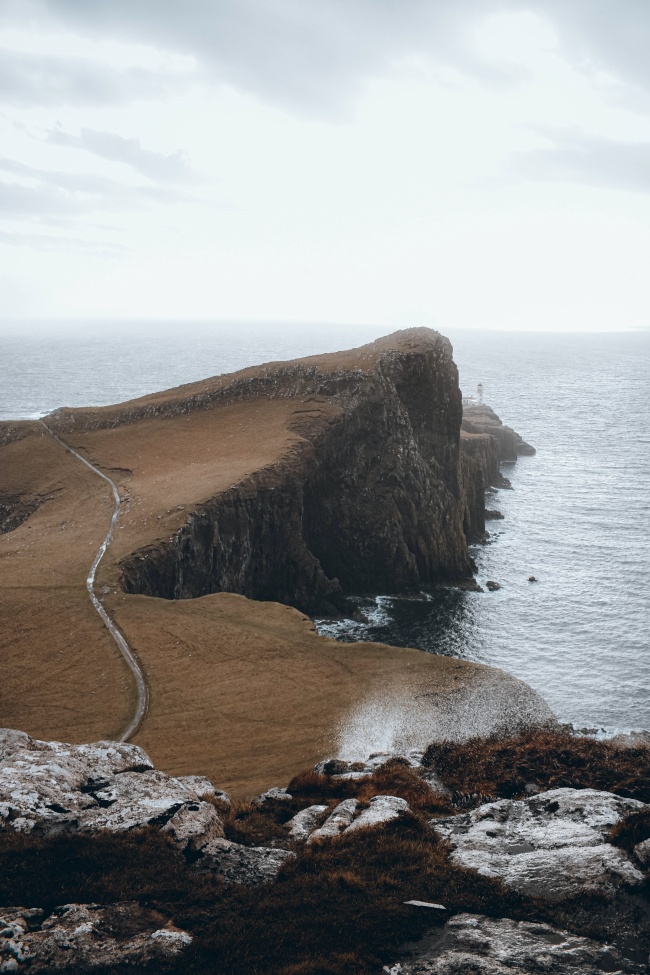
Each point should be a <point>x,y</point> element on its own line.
<point>124,648</point>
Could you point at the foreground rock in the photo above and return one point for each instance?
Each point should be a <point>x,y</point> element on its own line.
<point>552,846</point>
<point>52,787</point>
<point>246,865</point>
<point>83,937</point>
<point>488,946</point>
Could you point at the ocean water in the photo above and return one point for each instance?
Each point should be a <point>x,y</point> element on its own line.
<point>577,518</point>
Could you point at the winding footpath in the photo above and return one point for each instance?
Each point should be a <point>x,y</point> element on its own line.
<point>123,647</point>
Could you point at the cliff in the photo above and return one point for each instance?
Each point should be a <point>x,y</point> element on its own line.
<point>368,500</point>
<point>486,443</point>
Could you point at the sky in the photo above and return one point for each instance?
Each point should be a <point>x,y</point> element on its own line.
<point>450,163</point>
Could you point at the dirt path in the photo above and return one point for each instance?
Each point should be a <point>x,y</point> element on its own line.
<point>125,650</point>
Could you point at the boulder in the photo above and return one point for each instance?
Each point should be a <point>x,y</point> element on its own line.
<point>380,810</point>
<point>553,845</point>
<point>271,795</point>
<point>247,865</point>
<point>642,853</point>
<point>52,787</point>
<point>499,946</point>
<point>305,822</point>
<point>83,937</point>
<point>339,820</point>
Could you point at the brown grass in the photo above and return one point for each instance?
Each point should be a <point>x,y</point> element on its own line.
<point>547,759</point>
<point>631,830</point>
<point>394,778</point>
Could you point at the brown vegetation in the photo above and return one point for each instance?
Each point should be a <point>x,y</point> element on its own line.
<point>339,908</point>
<point>543,759</point>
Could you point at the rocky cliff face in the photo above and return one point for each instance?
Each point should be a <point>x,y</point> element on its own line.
<point>486,443</point>
<point>371,500</point>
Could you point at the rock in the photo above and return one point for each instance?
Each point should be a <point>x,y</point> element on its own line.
<point>532,579</point>
<point>480,945</point>
<point>492,586</point>
<point>83,937</point>
<point>428,904</point>
<point>491,514</point>
<point>339,820</point>
<point>202,787</point>
<point>271,795</point>
<point>333,766</point>
<point>340,769</point>
<point>52,787</point>
<point>552,845</point>
<point>380,810</point>
<point>642,853</point>
<point>525,448</point>
<point>305,822</point>
<point>246,865</point>
<point>194,825</point>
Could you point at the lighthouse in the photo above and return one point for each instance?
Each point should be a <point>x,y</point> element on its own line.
<point>479,393</point>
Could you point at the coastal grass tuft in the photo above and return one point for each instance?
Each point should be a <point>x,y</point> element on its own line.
<point>507,768</point>
<point>631,830</point>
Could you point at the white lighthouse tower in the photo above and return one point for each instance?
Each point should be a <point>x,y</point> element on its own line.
<point>479,393</point>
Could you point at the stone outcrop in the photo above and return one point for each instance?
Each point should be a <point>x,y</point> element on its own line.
<point>52,787</point>
<point>481,419</point>
<point>499,946</point>
<point>245,865</point>
<point>49,788</point>
<point>305,822</point>
<point>485,444</point>
<point>380,810</point>
<point>84,937</point>
<point>552,846</point>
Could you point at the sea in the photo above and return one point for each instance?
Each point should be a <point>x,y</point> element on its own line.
<point>577,517</point>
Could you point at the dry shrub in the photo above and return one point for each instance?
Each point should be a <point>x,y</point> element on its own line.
<point>631,830</point>
<point>316,787</point>
<point>397,778</point>
<point>259,825</point>
<point>548,759</point>
<point>105,868</point>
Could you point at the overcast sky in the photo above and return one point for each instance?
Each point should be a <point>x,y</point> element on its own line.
<point>455,163</point>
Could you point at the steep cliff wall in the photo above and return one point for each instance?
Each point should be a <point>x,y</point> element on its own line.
<point>370,500</point>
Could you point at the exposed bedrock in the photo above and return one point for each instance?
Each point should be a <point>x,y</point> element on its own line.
<point>481,418</point>
<point>372,499</point>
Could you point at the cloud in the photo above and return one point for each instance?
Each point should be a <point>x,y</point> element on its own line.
<point>317,56</point>
<point>581,158</point>
<point>312,57</point>
<point>607,35</point>
<point>172,167</point>
<point>55,193</point>
<point>74,245</point>
<point>48,80</point>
